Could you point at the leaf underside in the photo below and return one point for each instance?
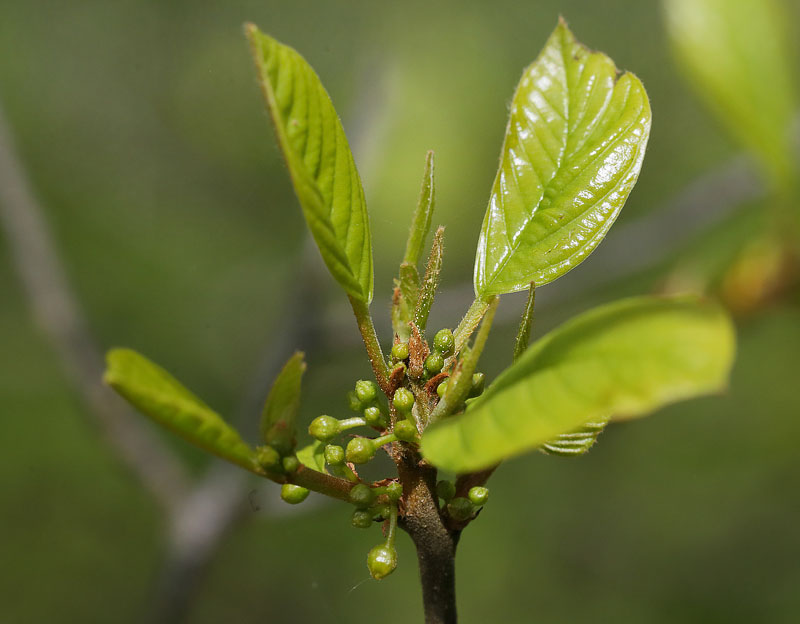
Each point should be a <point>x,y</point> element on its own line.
<point>157,394</point>
<point>573,149</point>
<point>320,163</point>
<point>577,442</point>
<point>621,360</point>
<point>313,456</point>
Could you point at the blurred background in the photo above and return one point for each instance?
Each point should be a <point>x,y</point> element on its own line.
<point>144,204</point>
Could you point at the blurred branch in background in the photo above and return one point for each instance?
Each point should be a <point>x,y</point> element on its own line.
<point>59,315</point>
<point>198,516</point>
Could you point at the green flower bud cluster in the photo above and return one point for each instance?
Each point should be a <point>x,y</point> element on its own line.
<point>444,344</point>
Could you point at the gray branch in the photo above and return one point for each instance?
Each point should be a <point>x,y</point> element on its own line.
<point>57,312</point>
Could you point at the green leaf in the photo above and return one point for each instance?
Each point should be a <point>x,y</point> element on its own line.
<point>157,394</point>
<point>313,456</point>
<point>282,404</point>
<point>737,56</point>
<point>621,360</point>
<point>573,148</point>
<point>430,283</point>
<point>525,324</point>
<point>323,172</point>
<point>421,222</point>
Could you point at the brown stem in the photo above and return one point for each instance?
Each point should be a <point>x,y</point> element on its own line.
<point>434,541</point>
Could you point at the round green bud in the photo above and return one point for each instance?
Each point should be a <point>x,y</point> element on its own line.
<point>441,389</point>
<point>268,457</point>
<point>381,511</point>
<point>374,416</point>
<point>444,342</point>
<point>381,561</point>
<point>353,401</point>
<point>478,495</point>
<point>290,464</point>
<point>434,364</point>
<point>361,495</point>
<point>394,490</point>
<point>478,384</point>
<point>366,391</point>
<point>403,400</point>
<point>405,431</point>
<point>460,509</point>
<point>324,428</point>
<point>361,519</point>
<point>360,450</point>
<point>293,494</point>
<point>445,489</point>
<point>334,455</point>
<point>400,351</point>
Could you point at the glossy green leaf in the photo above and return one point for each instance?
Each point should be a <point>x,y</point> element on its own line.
<point>576,442</point>
<point>313,456</point>
<point>573,148</point>
<point>157,394</point>
<point>323,172</point>
<point>621,360</point>
<point>283,402</point>
<point>737,56</point>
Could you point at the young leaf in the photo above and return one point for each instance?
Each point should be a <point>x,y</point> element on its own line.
<point>573,148</point>
<point>323,172</point>
<point>621,360</point>
<point>525,323</point>
<point>157,394</point>
<point>737,57</point>
<point>282,404</point>
<point>421,222</point>
<point>430,282</point>
<point>313,456</point>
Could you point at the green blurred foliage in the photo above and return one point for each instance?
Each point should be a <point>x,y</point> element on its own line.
<point>142,128</point>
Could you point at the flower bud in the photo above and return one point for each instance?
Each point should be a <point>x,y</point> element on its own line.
<point>360,450</point>
<point>403,400</point>
<point>381,561</point>
<point>444,342</point>
<point>324,428</point>
<point>293,494</point>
